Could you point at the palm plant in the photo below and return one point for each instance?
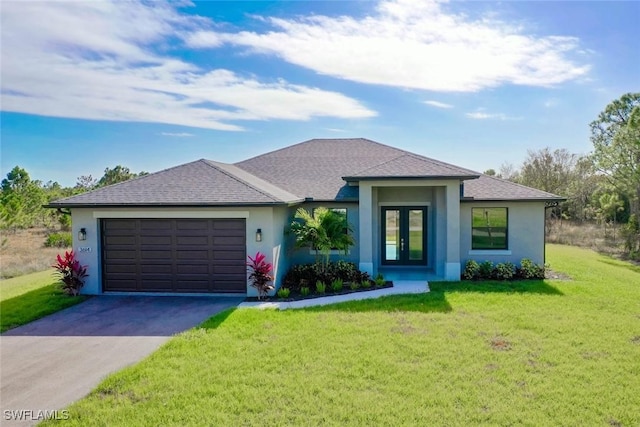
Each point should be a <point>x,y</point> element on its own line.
<point>323,230</point>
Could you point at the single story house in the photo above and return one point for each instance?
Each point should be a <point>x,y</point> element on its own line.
<point>189,229</point>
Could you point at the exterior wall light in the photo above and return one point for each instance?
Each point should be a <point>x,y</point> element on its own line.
<point>259,235</point>
<point>82,234</point>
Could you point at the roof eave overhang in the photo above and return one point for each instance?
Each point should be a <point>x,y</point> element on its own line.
<point>170,205</point>
<point>406,178</point>
<point>544,199</point>
<point>342,200</point>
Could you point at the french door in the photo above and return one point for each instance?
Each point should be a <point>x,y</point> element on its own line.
<point>404,235</point>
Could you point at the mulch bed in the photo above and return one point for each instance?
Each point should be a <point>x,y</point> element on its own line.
<point>297,297</point>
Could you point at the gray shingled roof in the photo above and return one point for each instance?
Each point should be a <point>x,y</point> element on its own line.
<point>491,188</point>
<point>197,183</point>
<point>411,165</point>
<point>315,168</point>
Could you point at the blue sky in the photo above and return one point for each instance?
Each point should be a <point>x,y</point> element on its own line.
<point>149,85</point>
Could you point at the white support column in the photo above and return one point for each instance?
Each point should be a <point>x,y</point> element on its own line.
<point>366,228</point>
<point>452,262</point>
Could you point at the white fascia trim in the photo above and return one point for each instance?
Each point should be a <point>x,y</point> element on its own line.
<point>154,213</point>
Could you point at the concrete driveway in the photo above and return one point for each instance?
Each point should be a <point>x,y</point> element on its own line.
<point>54,361</point>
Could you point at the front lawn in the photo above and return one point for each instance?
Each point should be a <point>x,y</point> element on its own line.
<point>26,298</point>
<point>523,353</point>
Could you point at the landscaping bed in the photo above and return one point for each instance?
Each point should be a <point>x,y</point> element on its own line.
<point>296,296</point>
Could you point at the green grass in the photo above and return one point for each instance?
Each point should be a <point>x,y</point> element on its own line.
<point>26,298</point>
<point>527,353</point>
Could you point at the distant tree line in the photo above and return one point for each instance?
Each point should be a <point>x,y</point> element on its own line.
<point>22,199</point>
<point>602,186</point>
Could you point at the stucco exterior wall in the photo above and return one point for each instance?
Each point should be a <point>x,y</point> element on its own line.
<point>269,219</point>
<point>525,233</point>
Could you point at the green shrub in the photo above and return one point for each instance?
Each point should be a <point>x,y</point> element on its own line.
<point>354,286</point>
<point>336,285</point>
<point>321,287</point>
<point>504,271</point>
<point>346,271</point>
<point>362,277</point>
<point>65,222</point>
<point>529,270</point>
<point>367,284</point>
<point>304,291</point>
<point>307,274</point>
<point>485,270</point>
<point>471,270</point>
<point>283,293</point>
<point>379,280</point>
<point>298,276</point>
<point>58,240</point>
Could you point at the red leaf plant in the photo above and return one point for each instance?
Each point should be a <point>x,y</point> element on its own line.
<point>72,274</point>
<point>260,274</point>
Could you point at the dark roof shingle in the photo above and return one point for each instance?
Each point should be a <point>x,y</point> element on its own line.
<point>316,168</point>
<point>491,188</point>
<point>197,183</point>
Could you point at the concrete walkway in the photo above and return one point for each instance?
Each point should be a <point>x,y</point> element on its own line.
<point>48,364</point>
<point>399,287</point>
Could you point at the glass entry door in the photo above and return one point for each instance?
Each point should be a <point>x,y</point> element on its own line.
<point>404,235</point>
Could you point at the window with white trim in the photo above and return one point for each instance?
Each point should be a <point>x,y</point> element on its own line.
<point>489,228</point>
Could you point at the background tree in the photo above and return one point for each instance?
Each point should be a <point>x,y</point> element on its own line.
<point>550,171</point>
<point>21,200</point>
<point>509,172</point>
<point>117,174</point>
<point>85,183</point>
<point>615,135</point>
<point>547,170</point>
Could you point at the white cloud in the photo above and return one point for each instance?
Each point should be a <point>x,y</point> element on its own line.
<point>177,134</point>
<point>438,104</point>
<point>412,44</point>
<point>112,61</point>
<point>481,115</point>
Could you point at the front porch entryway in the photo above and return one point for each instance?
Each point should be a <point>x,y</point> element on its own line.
<point>404,235</point>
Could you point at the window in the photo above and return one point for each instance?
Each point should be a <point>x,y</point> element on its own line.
<point>489,228</point>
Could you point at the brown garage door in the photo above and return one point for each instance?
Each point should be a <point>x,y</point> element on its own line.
<point>174,255</point>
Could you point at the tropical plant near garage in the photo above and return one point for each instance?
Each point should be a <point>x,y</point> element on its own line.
<point>260,274</point>
<point>72,274</point>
